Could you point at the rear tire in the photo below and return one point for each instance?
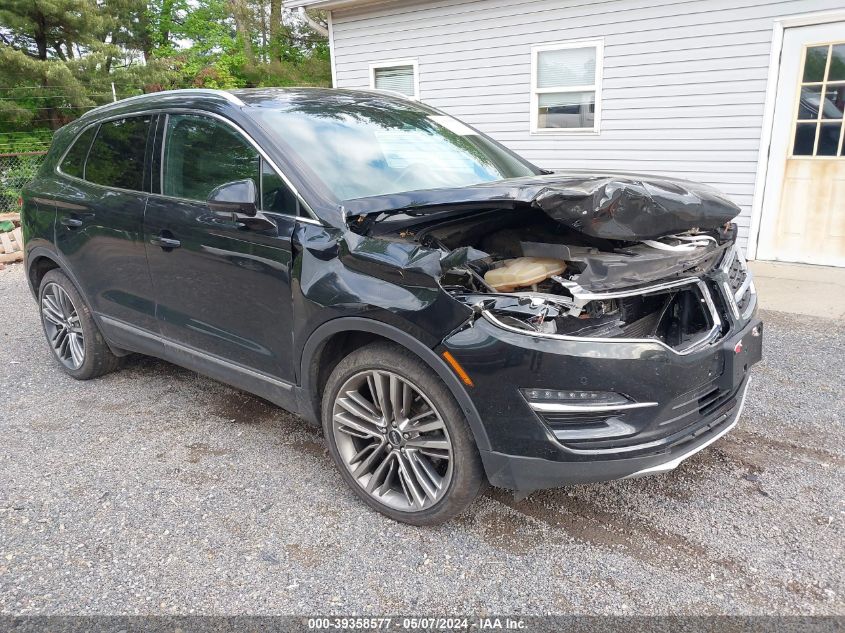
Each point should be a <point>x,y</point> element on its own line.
<point>398,437</point>
<point>74,338</point>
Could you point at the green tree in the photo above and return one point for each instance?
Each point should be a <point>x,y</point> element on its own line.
<point>59,58</point>
<point>40,39</point>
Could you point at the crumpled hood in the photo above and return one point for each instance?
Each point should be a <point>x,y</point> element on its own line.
<point>616,206</point>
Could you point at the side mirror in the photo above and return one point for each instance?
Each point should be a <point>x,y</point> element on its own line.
<point>237,197</point>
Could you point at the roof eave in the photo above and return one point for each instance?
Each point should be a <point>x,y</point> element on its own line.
<point>328,5</point>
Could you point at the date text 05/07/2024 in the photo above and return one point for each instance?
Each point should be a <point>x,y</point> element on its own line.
<point>413,623</point>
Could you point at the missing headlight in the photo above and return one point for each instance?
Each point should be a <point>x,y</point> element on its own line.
<point>679,316</point>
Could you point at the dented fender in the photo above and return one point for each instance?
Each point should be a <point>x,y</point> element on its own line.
<point>338,273</point>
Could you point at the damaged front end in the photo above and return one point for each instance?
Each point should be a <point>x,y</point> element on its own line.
<point>595,348</point>
<point>676,309</point>
<point>595,257</point>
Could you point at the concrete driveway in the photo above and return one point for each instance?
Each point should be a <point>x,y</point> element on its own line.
<point>157,491</point>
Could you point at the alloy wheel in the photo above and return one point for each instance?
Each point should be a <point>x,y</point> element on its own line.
<point>392,440</point>
<point>63,326</point>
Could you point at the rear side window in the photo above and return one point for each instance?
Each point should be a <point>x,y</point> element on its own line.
<point>74,161</point>
<point>202,154</point>
<point>116,158</point>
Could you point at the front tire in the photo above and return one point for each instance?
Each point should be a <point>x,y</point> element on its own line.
<point>74,338</point>
<point>399,438</point>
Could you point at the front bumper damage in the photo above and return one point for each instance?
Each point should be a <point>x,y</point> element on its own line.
<point>681,399</point>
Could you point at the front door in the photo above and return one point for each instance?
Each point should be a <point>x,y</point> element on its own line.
<point>804,208</point>
<point>222,290</point>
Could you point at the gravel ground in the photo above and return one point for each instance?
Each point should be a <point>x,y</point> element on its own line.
<point>156,491</point>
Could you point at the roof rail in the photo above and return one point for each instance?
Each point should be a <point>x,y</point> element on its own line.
<point>228,96</point>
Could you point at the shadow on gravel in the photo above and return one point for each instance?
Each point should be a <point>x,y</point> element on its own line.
<point>555,518</point>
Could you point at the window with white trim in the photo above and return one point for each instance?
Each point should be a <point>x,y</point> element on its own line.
<point>818,128</point>
<point>566,87</point>
<point>399,75</point>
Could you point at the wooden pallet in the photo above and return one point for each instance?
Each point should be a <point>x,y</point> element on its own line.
<point>11,246</point>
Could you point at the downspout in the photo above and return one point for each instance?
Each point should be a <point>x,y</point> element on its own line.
<point>319,28</point>
<point>332,50</point>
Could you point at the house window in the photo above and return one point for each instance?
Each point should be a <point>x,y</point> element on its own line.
<point>398,75</point>
<point>566,87</point>
<point>818,128</point>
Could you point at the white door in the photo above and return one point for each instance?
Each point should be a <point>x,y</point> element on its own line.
<point>804,207</point>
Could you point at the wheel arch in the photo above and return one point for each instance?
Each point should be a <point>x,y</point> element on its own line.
<point>323,349</point>
<point>39,263</point>
<point>50,259</point>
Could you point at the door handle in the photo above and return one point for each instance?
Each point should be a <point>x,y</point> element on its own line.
<point>165,242</point>
<point>71,223</point>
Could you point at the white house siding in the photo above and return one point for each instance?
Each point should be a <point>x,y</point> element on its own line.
<point>683,85</point>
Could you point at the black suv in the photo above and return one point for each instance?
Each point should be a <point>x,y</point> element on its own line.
<point>451,314</point>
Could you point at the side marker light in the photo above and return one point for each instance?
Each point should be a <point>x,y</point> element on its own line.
<point>456,366</point>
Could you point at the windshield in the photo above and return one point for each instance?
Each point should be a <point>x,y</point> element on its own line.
<point>359,149</point>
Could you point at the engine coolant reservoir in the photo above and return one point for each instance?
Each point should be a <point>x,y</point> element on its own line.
<point>522,271</point>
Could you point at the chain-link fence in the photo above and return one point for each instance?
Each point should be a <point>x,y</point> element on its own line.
<point>16,169</point>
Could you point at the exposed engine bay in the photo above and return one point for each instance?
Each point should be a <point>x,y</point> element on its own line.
<point>527,272</point>
<point>595,256</point>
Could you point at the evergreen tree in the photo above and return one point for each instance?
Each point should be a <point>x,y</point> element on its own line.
<point>59,58</point>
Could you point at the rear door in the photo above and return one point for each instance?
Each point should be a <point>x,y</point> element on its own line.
<point>222,290</point>
<point>99,230</point>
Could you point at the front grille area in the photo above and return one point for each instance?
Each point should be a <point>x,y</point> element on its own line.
<point>744,302</point>
<point>736,274</point>
<point>717,399</point>
<point>738,285</point>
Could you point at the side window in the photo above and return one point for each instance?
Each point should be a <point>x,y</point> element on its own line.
<point>201,153</point>
<point>275,194</point>
<point>74,161</point>
<point>116,158</point>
